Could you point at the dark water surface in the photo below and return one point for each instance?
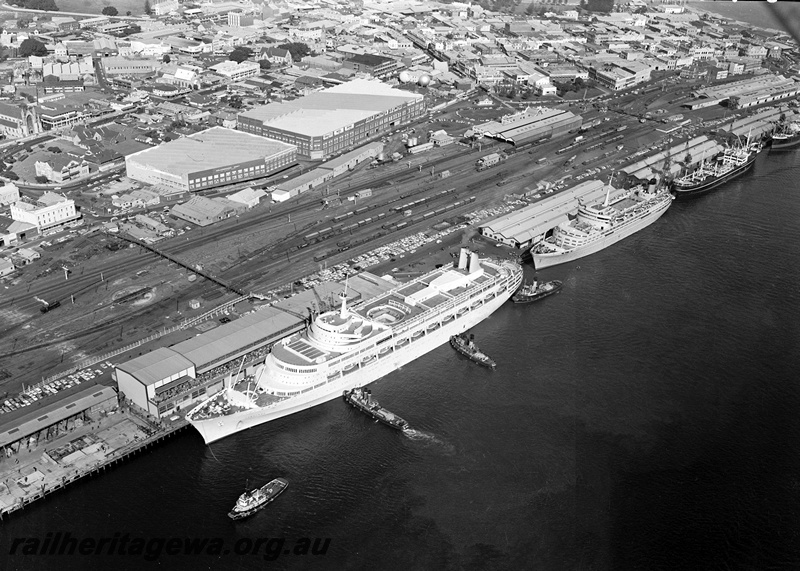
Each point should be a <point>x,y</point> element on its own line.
<point>647,417</point>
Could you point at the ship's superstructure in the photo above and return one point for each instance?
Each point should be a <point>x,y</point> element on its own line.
<point>601,224</point>
<point>359,344</point>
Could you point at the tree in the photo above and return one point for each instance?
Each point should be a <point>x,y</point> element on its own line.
<point>240,53</point>
<point>166,58</point>
<point>11,175</point>
<point>32,47</point>
<point>265,64</point>
<point>109,11</point>
<point>24,22</point>
<point>298,50</point>
<point>147,9</point>
<point>128,13</point>
<point>42,179</point>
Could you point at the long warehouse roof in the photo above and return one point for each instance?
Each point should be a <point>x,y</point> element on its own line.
<point>253,328</point>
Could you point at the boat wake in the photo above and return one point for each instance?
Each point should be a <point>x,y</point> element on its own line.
<point>429,439</point>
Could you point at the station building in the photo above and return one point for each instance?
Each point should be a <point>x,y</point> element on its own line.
<point>211,158</point>
<point>39,422</point>
<point>336,119</point>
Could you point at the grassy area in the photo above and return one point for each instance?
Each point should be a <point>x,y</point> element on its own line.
<point>136,7</point>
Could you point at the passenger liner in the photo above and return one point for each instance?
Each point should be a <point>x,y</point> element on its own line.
<point>602,224</point>
<point>357,345</point>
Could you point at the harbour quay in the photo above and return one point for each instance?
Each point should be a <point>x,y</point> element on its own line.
<point>57,441</point>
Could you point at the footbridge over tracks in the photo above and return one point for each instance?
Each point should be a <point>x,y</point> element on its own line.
<point>227,285</point>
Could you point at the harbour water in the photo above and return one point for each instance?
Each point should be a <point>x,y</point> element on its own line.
<point>644,418</point>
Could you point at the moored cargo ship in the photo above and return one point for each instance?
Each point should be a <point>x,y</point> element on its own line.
<point>354,346</point>
<point>734,161</point>
<point>787,137</point>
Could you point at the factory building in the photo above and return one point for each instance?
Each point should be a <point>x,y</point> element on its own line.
<point>524,227</point>
<point>211,158</point>
<point>530,125</point>
<point>336,119</point>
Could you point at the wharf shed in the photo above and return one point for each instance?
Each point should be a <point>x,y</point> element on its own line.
<point>526,226</point>
<point>53,416</point>
<point>756,125</point>
<point>230,341</point>
<point>170,379</point>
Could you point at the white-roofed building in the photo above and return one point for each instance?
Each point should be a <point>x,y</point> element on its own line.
<point>236,71</point>
<point>49,211</point>
<point>249,196</point>
<point>214,157</point>
<point>336,119</point>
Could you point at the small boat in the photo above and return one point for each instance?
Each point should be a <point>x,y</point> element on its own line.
<point>535,291</point>
<point>252,501</point>
<point>466,346</point>
<point>361,399</point>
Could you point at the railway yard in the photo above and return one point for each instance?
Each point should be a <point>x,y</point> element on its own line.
<point>115,292</point>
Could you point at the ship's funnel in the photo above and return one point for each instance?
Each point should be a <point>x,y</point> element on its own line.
<point>474,263</point>
<point>651,186</point>
<point>463,258</point>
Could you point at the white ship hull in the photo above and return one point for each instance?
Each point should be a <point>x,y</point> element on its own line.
<point>605,240</point>
<point>213,429</point>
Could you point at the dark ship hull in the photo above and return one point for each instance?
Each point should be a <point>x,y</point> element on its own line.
<point>786,143</point>
<point>468,349</point>
<point>360,398</point>
<point>712,182</point>
<point>541,292</point>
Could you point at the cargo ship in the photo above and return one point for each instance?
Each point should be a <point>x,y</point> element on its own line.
<point>787,137</point>
<point>358,344</point>
<point>466,346</point>
<point>530,292</point>
<point>601,224</point>
<point>252,501</point>
<point>361,399</point>
<point>734,161</point>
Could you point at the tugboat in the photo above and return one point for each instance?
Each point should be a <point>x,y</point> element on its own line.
<point>466,346</point>
<point>535,291</point>
<point>361,399</point>
<point>252,501</point>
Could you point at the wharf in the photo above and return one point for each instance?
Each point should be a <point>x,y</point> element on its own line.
<point>92,448</point>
